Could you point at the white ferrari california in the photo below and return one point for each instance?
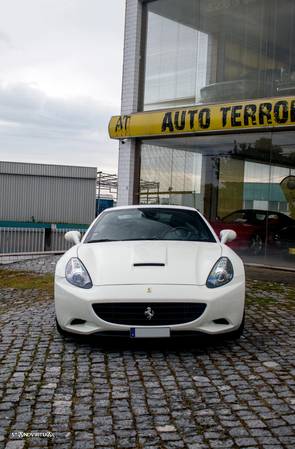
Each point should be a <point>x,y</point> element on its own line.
<point>150,272</point>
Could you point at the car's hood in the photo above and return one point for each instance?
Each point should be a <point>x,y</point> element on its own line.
<point>131,262</point>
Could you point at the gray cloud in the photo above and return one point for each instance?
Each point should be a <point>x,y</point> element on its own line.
<point>61,65</point>
<point>5,39</point>
<point>27,106</point>
<point>36,127</point>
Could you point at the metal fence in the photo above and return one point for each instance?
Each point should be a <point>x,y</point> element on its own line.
<point>58,242</point>
<point>21,240</point>
<point>33,240</point>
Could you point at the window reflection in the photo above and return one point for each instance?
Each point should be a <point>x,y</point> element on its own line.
<point>244,182</point>
<point>211,51</point>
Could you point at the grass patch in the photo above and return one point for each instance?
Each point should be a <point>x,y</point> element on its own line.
<point>262,292</point>
<point>267,286</point>
<point>26,280</point>
<point>252,299</point>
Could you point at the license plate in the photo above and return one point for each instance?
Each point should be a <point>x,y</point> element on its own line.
<point>143,332</point>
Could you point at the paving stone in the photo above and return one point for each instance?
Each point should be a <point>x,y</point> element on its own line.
<point>271,364</point>
<point>290,419</point>
<point>15,445</point>
<point>255,423</point>
<point>244,442</point>
<point>166,428</point>
<point>269,441</point>
<point>221,444</point>
<point>284,431</point>
<point>201,380</point>
<point>170,436</point>
<point>239,432</point>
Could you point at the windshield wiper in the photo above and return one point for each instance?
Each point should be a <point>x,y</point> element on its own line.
<point>101,240</point>
<point>140,238</point>
<point>120,240</point>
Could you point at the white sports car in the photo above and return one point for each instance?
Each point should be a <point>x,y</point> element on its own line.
<point>150,271</point>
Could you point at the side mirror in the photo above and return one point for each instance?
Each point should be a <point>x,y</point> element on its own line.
<point>227,235</point>
<point>73,237</point>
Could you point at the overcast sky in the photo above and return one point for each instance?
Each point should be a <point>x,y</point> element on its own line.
<point>60,80</point>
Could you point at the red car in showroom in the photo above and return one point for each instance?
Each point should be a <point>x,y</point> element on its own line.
<point>253,227</point>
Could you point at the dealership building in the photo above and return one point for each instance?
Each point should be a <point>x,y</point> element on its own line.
<point>208,115</point>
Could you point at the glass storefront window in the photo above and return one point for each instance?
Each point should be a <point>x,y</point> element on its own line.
<point>245,182</point>
<point>173,175</point>
<point>200,51</point>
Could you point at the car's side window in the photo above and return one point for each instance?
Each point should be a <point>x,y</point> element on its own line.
<point>260,217</point>
<point>237,217</point>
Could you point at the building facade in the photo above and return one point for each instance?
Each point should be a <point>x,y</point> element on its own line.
<point>208,116</point>
<point>47,193</point>
<point>40,202</point>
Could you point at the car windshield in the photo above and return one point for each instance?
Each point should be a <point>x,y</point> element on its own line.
<point>150,224</point>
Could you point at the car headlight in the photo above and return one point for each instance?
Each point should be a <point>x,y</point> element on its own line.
<point>221,273</point>
<point>77,274</point>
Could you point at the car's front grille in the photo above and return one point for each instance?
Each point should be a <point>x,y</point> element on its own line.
<point>148,313</point>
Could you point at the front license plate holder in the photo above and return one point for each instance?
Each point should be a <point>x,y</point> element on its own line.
<point>144,332</point>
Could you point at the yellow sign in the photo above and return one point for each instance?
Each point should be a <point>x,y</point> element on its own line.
<point>256,114</point>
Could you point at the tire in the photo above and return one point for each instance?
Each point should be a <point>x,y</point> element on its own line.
<point>256,245</point>
<point>235,335</point>
<point>62,332</point>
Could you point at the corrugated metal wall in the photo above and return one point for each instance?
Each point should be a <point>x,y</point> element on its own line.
<point>47,193</point>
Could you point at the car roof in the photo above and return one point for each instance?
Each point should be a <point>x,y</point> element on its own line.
<point>152,206</point>
<point>262,211</point>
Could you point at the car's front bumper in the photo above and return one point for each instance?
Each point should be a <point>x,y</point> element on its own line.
<point>73,303</point>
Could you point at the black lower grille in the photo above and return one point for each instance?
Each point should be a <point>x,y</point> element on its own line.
<point>149,314</point>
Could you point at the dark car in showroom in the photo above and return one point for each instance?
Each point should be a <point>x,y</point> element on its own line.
<point>253,228</point>
<point>285,240</point>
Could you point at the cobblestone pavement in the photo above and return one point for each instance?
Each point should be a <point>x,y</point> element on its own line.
<point>193,394</point>
<point>37,264</point>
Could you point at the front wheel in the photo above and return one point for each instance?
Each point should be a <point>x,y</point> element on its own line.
<point>62,332</point>
<point>235,335</point>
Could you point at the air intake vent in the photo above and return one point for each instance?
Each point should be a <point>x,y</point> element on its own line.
<point>149,314</point>
<point>149,265</point>
<point>77,321</point>
<point>221,321</point>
